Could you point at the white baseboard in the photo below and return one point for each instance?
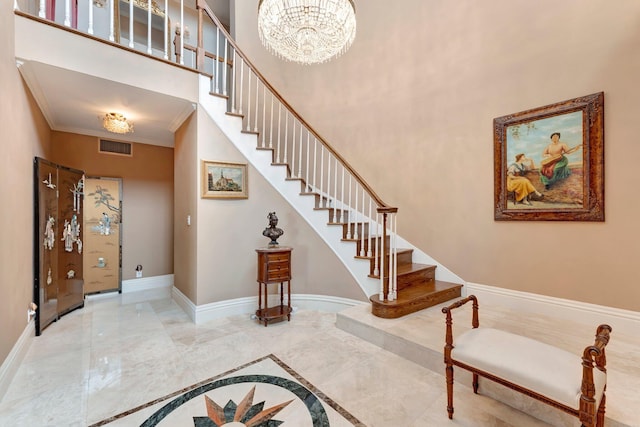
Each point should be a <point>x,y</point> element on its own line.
<point>247,305</point>
<point>147,283</point>
<point>14,359</point>
<point>621,321</point>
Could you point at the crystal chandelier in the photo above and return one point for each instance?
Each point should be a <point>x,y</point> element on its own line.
<point>307,31</point>
<point>117,123</point>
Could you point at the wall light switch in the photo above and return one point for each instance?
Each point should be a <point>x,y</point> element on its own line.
<point>188,219</point>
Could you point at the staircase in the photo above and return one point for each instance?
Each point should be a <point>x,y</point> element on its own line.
<point>319,184</point>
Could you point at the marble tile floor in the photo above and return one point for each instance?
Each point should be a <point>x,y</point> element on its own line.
<point>122,351</point>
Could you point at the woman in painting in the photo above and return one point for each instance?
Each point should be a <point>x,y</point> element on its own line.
<point>518,183</point>
<point>555,165</point>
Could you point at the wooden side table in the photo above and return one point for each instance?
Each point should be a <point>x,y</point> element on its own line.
<point>274,266</point>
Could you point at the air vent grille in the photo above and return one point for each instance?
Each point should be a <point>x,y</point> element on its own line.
<point>115,147</point>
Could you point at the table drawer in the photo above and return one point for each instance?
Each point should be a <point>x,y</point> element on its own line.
<point>282,256</point>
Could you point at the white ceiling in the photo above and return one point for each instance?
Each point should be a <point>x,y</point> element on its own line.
<point>76,102</point>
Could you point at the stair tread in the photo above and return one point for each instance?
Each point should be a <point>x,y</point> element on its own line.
<point>415,298</point>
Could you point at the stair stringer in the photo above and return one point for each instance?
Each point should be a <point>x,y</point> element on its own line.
<point>261,160</point>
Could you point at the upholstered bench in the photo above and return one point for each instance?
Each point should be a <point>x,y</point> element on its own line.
<point>554,376</point>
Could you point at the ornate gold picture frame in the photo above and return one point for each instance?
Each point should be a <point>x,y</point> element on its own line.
<point>549,162</point>
<point>223,180</point>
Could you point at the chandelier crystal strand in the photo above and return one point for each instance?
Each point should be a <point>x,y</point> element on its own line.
<point>307,31</point>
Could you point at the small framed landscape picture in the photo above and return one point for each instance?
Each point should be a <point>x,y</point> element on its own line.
<point>549,162</point>
<point>223,180</point>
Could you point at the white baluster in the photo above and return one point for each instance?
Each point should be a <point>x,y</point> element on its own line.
<point>166,29</point>
<point>249,72</point>
<point>342,196</point>
<point>225,66</point>
<point>335,190</point>
<point>369,253</point>
<point>376,253</point>
<point>241,84</point>
<point>233,83</point>
<point>300,154</point>
<point>315,162</point>
<point>67,13</point>
<point>271,123</point>
<point>111,20</point>
<point>292,167</point>
<point>216,61</point>
<point>306,183</point>
<point>90,28</point>
<point>349,207</point>
<point>362,231</point>
<point>182,26</point>
<point>321,175</point>
<point>255,123</point>
<point>264,115</point>
<point>42,12</point>
<point>286,135</point>
<point>395,256</point>
<point>328,191</point>
<point>279,127</point>
<point>130,23</point>
<point>149,51</point>
<point>356,214</point>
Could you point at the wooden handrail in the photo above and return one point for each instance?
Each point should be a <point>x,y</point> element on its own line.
<point>382,206</point>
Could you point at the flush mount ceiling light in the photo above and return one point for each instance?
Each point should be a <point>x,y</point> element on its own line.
<point>117,123</point>
<point>307,31</point>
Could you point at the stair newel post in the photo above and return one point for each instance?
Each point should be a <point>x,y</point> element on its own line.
<point>384,286</point>
<point>200,47</point>
<point>393,274</point>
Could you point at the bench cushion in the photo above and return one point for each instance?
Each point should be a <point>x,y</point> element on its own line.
<point>539,367</point>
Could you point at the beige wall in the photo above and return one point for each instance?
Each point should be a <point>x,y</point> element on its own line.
<point>24,134</point>
<point>147,191</point>
<point>185,201</point>
<point>413,102</point>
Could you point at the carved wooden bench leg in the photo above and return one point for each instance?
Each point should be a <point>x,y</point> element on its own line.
<point>449,373</point>
<point>600,419</point>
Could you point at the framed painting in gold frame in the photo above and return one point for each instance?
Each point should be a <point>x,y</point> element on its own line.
<point>223,180</point>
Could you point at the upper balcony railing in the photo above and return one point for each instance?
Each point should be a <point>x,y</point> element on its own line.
<point>164,30</point>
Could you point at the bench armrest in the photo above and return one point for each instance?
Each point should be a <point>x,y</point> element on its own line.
<point>449,320</point>
<point>592,355</point>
